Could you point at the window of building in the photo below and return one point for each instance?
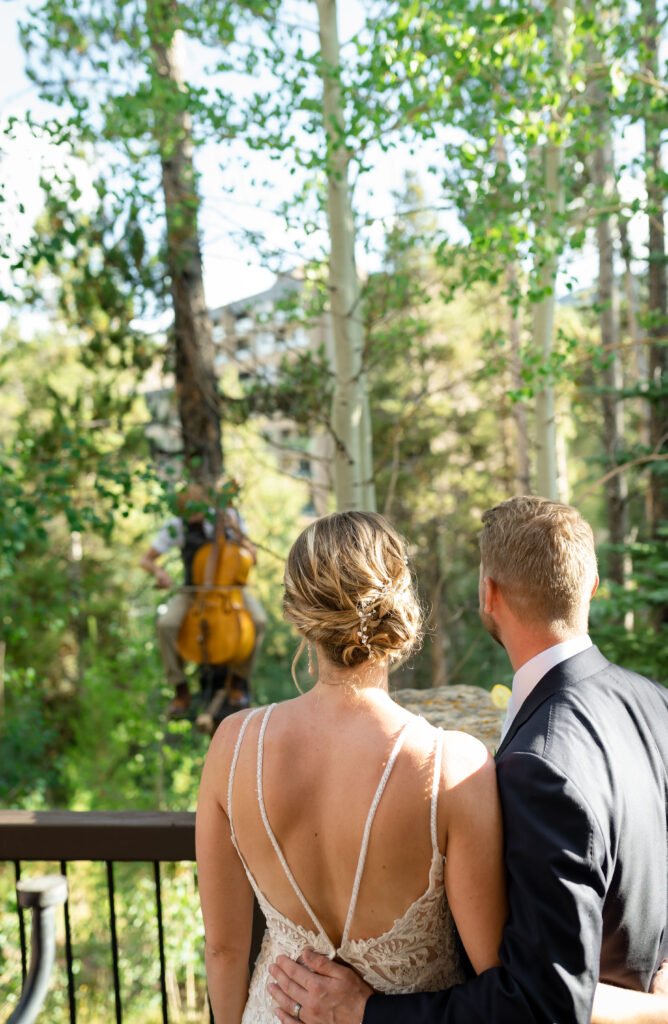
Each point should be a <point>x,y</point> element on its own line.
<point>244,324</point>
<point>265,343</point>
<point>299,338</point>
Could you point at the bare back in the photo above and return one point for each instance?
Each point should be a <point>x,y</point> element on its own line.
<point>337,808</point>
<point>320,774</point>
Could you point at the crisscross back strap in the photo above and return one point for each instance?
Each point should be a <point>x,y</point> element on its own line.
<point>233,768</point>
<point>279,853</point>
<point>367,832</point>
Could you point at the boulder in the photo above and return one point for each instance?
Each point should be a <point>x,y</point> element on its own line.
<point>467,708</point>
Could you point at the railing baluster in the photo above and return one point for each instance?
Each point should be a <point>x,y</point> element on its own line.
<point>22,927</point>
<point>114,941</point>
<point>102,837</point>
<point>68,953</point>
<point>161,941</point>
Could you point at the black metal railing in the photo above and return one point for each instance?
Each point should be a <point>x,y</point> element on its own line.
<point>41,896</point>
<point>108,837</point>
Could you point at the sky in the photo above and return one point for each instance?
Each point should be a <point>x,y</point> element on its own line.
<point>229,274</point>
<point>228,201</point>
<point>231,270</point>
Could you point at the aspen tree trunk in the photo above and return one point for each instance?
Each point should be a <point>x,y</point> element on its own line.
<point>196,386</point>
<point>522,465</point>
<point>543,333</point>
<point>639,350</point>
<point>616,488</point>
<point>658,295</point>
<point>351,420</point>
<point>543,325</point>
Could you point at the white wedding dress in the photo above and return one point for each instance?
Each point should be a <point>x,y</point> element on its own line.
<point>418,953</point>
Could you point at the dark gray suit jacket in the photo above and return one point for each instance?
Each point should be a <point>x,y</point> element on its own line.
<point>583,778</point>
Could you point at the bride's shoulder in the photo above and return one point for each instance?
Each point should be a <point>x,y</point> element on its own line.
<point>228,736</point>
<point>463,757</point>
<point>455,745</point>
<point>236,729</point>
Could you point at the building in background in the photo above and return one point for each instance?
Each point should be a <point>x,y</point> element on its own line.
<point>252,336</point>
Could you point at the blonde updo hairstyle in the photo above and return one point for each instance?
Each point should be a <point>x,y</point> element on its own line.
<point>348,589</point>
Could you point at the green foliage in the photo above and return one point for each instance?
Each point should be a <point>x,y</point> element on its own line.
<point>28,733</point>
<point>137,931</point>
<point>643,644</point>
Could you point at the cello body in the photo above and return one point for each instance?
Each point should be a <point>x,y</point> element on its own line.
<point>218,629</point>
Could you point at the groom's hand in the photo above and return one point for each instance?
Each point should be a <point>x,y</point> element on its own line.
<point>324,992</point>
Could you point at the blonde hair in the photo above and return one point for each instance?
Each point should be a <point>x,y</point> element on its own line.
<point>541,554</point>
<point>348,589</point>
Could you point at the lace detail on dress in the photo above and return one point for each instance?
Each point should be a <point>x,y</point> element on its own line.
<point>418,953</point>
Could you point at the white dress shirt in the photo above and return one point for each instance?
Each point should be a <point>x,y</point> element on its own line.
<point>531,672</point>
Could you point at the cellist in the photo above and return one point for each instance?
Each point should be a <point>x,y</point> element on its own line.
<point>194,526</point>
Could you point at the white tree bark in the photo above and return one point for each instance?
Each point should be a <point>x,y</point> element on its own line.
<point>543,332</point>
<point>616,491</point>
<point>547,480</point>
<point>522,458</point>
<point>351,419</point>
<point>657,280</point>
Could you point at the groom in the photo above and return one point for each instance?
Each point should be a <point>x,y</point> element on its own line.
<point>583,778</point>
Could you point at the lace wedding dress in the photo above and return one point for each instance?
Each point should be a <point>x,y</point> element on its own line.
<point>418,953</point>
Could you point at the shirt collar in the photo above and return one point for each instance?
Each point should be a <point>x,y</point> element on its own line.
<point>531,672</point>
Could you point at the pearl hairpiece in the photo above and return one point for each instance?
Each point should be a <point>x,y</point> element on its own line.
<point>363,632</point>
<point>365,615</point>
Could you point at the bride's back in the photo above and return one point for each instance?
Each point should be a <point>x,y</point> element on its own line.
<point>323,757</point>
<point>348,592</point>
<point>337,806</point>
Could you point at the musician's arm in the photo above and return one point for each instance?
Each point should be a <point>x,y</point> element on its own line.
<point>149,563</point>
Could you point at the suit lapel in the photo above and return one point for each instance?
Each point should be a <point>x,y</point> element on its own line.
<point>581,665</point>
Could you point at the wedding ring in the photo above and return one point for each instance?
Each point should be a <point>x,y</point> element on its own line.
<point>298,1007</point>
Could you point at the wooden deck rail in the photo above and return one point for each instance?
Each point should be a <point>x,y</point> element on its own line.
<point>97,835</point>
<point>108,836</point>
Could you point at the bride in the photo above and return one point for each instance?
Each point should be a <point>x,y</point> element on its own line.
<point>336,808</point>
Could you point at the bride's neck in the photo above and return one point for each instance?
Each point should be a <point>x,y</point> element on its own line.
<point>369,677</point>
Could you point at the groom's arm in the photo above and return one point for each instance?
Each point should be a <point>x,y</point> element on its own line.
<point>555,856</point>
<point>550,952</point>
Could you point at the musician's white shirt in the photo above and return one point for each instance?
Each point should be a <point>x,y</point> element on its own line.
<point>172,534</point>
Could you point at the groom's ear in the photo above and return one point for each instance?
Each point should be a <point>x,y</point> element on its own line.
<point>490,594</point>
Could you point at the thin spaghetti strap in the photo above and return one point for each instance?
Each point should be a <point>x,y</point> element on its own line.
<point>438,756</point>
<point>279,853</point>
<point>367,832</point>
<point>233,766</point>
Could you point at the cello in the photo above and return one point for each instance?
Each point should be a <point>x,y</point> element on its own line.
<point>217,631</point>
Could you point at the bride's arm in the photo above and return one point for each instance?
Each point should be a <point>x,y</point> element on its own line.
<point>470,811</point>
<point>224,890</point>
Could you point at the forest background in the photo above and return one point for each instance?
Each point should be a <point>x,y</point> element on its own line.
<point>473,197</point>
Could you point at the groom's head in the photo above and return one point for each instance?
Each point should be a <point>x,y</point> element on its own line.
<point>540,556</point>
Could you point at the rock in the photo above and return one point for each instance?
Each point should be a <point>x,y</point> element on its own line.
<point>468,708</point>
